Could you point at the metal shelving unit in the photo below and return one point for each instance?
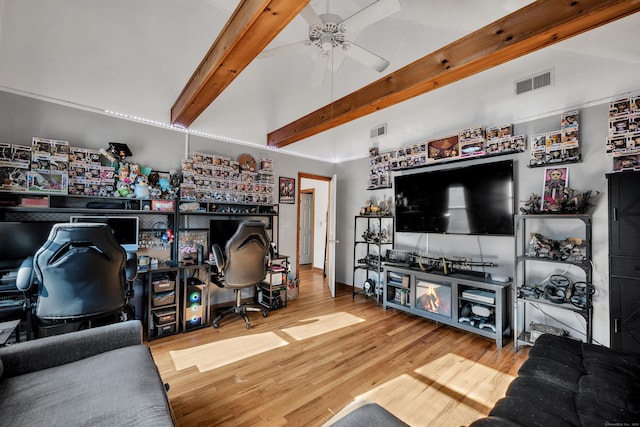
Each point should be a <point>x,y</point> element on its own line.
<point>526,296</point>
<point>372,236</point>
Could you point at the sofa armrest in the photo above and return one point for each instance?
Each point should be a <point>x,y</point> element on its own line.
<point>57,350</point>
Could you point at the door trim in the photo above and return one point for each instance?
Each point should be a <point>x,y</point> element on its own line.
<point>308,176</point>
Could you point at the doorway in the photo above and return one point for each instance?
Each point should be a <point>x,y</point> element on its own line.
<point>315,189</point>
<point>307,235</point>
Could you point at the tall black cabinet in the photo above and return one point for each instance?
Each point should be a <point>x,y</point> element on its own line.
<point>624,260</point>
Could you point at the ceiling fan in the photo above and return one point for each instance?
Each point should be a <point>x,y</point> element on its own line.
<point>329,32</point>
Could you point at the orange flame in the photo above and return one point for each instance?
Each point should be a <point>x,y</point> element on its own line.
<point>432,302</point>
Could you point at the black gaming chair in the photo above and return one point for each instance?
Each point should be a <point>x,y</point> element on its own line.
<point>77,279</point>
<point>243,266</point>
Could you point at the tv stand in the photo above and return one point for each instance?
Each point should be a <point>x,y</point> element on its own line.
<point>466,300</point>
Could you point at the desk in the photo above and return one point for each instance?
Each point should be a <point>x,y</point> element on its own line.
<point>8,328</point>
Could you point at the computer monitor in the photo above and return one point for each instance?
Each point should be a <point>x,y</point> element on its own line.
<point>221,230</point>
<point>125,228</point>
<point>21,240</point>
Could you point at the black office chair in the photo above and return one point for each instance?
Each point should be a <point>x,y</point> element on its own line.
<point>243,265</point>
<point>80,277</point>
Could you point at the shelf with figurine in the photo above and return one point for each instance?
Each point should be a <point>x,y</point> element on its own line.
<point>553,275</point>
<point>369,252</point>
<point>557,146</point>
<point>470,143</point>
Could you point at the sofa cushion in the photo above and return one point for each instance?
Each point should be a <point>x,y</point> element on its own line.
<point>560,343</point>
<point>555,400</point>
<point>368,415</point>
<point>118,387</point>
<point>494,422</point>
<point>522,412</point>
<point>593,412</point>
<point>552,372</point>
<point>565,357</point>
<point>622,393</point>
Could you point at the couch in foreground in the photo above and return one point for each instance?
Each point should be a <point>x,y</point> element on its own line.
<point>565,382</point>
<point>103,376</point>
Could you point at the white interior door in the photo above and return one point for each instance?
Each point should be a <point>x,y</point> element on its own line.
<point>331,282</point>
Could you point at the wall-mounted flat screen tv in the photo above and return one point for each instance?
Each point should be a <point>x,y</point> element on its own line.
<point>475,199</point>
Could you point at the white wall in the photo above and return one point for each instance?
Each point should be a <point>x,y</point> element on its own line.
<point>22,118</point>
<point>586,175</point>
<point>320,209</point>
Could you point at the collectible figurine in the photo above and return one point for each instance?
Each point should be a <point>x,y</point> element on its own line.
<point>532,206</point>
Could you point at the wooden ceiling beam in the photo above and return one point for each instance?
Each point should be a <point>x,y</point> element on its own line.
<point>536,26</point>
<point>249,30</point>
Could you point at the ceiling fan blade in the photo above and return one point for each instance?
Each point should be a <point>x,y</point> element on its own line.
<point>367,58</point>
<point>284,48</point>
<point>370,14</point>
<point>311,16</point>
<point>339,56</point>
<point>319,71</point>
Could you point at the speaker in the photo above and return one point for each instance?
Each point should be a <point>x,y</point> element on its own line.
<point>193,306</point>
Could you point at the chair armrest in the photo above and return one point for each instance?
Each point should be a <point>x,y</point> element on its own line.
<point>131,266</point>
<point>218,257</point>
<point>24,278</point>
<point>56,350</point>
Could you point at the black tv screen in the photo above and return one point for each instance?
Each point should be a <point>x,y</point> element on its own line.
<point>476,199</point>
<point>22,240</point>
<point>125,228</point>
<point>221,230</point>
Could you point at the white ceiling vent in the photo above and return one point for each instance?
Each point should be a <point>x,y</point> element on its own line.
<point>534,82</point>
<point>379,130</point>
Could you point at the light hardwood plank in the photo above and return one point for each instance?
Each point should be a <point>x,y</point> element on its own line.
<point>403,362</point>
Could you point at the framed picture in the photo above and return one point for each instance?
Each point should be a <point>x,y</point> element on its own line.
<point>287,192</point>
<point>555,182</point>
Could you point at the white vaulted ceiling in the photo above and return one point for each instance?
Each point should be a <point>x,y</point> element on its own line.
<point>135,56</point>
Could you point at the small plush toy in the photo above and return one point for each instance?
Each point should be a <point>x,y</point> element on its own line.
<point>164,184</point>
<point>123,172</point>
<point>141,187</point>
<point>123,189</point>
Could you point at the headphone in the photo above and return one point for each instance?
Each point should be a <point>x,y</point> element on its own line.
<point>554,294</point>
<point>369,286</point>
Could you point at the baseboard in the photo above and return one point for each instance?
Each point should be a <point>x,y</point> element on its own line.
<point>343,286</point>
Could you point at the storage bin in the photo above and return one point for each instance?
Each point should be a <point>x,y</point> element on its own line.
<point>163,285</point>
<point>166,330</point>
<point>163,298</point>
<point>162,317</point>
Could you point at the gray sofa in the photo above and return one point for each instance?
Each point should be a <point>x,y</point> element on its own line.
<point>103,376</point>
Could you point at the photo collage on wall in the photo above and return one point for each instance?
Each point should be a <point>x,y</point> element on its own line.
<point>557,146</point>
<point>468,143</point>
<point>623,139</point>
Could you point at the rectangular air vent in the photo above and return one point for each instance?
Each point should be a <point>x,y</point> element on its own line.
<point>379,130</point>
<point>534,82</point>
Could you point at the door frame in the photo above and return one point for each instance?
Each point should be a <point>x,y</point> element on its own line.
<point>317,178</point>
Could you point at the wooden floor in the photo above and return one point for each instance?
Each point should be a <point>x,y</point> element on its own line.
<point>306,381</point>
